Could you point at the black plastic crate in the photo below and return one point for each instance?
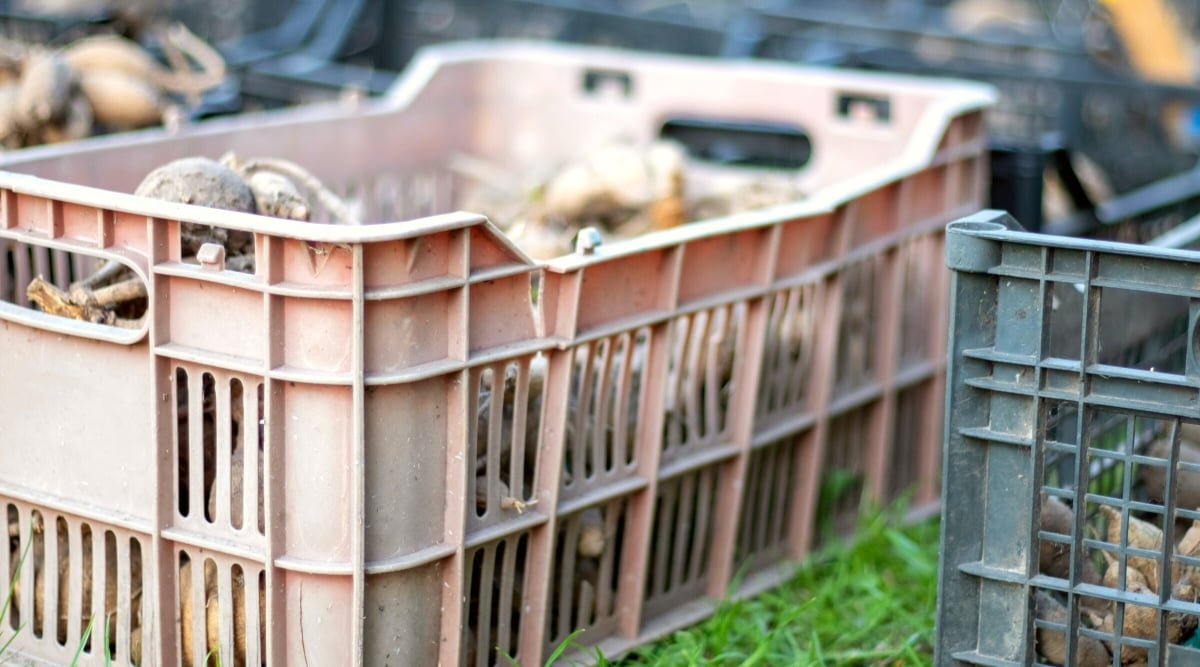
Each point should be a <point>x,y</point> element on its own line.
<point>675,28</point>
<point>1055,100</point>
<point>213,20</point>
<point>1047,83</point>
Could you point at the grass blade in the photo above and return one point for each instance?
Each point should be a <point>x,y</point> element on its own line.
<point>87,632</point>
<point>12,585</point>
<point>562,647</point>
<point>11,639</point>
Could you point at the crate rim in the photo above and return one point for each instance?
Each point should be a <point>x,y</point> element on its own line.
<point>956,98</point>
<point>998,225</point>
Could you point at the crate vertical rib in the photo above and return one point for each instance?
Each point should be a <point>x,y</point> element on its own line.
<point>888,328</point>
<point>457,504</point>
<point>931,462</point>
<point>810,461</point>
<point>538,586</point>
<point>454,516</point>
<point>159,637</point>
<point>635,561</point>
<point>732,483</point>
<point>274,458</point>
<point>1039,305</point>
<point>74,620</point>
<point>881,431</point>
<point>1089,349</point>
<point>358,458</point>
<point>224,447</point>
<point>971,304</point>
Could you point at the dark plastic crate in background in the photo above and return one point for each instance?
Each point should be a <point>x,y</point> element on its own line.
<point>214,20</point>
<point>45,29</point>
<point>1047,83</point>
<point>1018,173</point>
<point>328,60</point>
<point>682,28</point>
<point>361,44</point>
<point>294,58</point>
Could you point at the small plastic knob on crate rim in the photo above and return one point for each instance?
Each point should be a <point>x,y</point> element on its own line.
<point>211,256</point>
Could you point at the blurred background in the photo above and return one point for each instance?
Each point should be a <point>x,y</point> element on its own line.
<point>1096,132</point>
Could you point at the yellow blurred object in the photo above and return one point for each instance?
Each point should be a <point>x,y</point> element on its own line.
<point>1158,48</point>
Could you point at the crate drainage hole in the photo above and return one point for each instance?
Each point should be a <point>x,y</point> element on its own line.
<point>496,585</point>
<point>201,591</point>
<point>606,386</point>
<point>52,562</point>
<point>506,435</point>
<point>223,469</point>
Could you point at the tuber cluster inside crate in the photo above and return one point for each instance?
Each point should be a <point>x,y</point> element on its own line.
<point>1070,486</point>
<point>408,443</point>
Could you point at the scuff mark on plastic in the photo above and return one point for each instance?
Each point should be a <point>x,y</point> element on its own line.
<point>414,246</point>
<point>303,642</point>
<point>319,254</point>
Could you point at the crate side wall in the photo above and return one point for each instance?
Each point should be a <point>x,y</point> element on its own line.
<point>93,398</point>
<point>1056,444</point>
<point>664,418</point>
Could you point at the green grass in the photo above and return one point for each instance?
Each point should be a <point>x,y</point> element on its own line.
<point>6,642</point>
<point>8,598</point>
<point>867,603</point>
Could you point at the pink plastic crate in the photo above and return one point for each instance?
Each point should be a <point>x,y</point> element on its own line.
<point>680,395</point>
